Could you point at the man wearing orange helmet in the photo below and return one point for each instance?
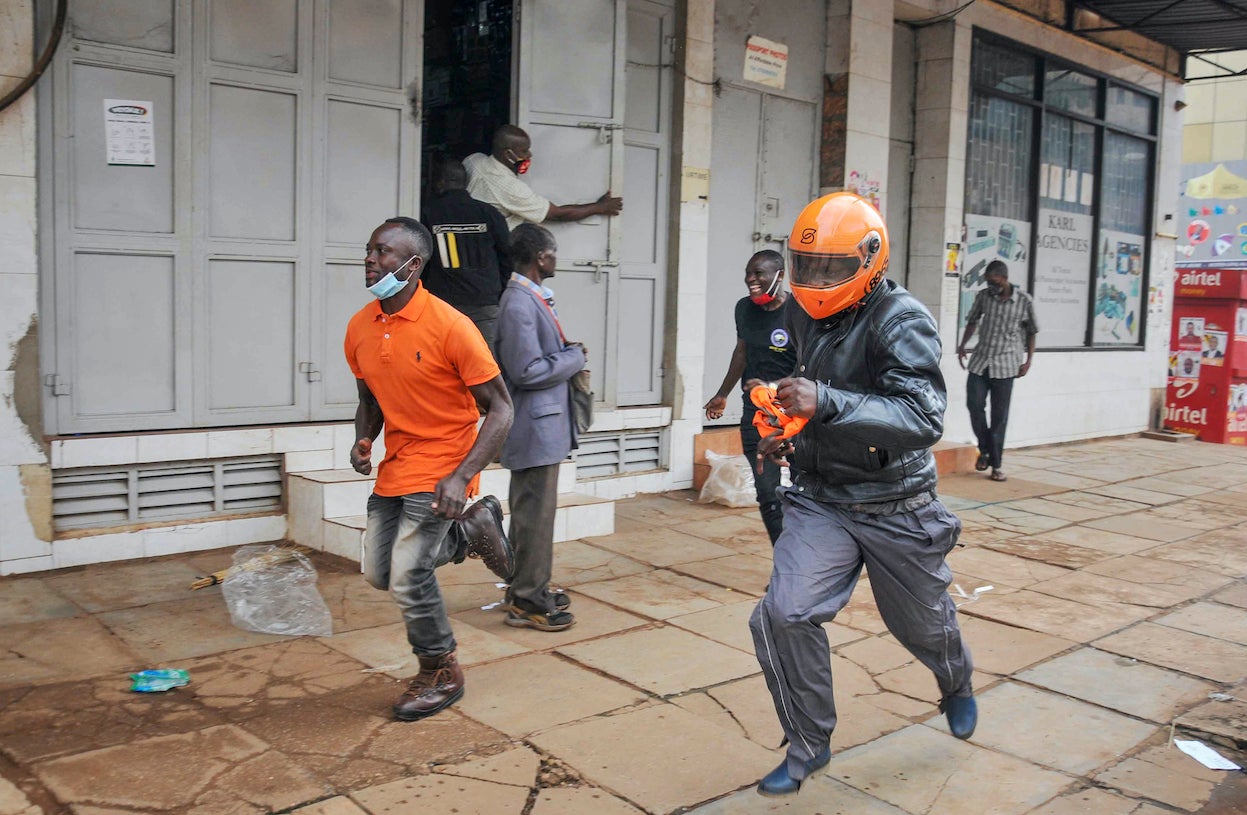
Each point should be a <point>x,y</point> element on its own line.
<point>868,381</point>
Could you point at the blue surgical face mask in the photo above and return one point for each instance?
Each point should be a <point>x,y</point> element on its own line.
<point>390,285</point>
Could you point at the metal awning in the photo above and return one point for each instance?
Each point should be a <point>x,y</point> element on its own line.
<point>1194,28</point>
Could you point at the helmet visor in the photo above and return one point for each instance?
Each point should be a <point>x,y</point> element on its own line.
<point>823,271</point>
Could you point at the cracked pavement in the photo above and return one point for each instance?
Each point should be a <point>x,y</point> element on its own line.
<point>1116,619</point>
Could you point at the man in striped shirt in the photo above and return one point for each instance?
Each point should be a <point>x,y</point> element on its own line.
<point>1009,328</point>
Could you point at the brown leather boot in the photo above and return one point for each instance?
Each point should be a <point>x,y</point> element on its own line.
<point>482,529</point>
<point>438,685</point>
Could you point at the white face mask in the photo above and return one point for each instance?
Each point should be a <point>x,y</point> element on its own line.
<point>390,285</point>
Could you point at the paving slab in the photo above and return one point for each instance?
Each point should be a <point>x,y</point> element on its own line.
<point>593,619</point>
<point>517,767</point>
<point>1004,649</point>
<point>1136,494</point>
<point>664,661</point>
<point>1059,617</point>
<point>168,772</point>
<point>59,649</point>
<point>1211,620</point>
<point>1054,507</point>
<point>1201,514</point>
<point>441,793</point>
<point>743,532</point>
<point>1167,647</point>
<point>338,805</point>
<point>32,600</point>
<point>1165,774</point>
<point>1103,590</point>
<point>14,802</point>
<point>45,721</point>
<point>1120,683</point>
<point>1114,543</point>
<point>1223,720</point>
<point>745,573</point>
<point>577,562</point>
<point>584,800</point>
<point>381,647</point>
<point>1052,730</point>
<point>354,604</point>
<point>1235,595</point>
<point>729,624</point>
<point>1002,569</point>
<point>660,594</point>
<point>743,706</point>
<point>169,632</point>
<point>666,510</point>
<point>521,695</point>
<point>820,795</point>
<point>244,682</point>
<point>977,487</point>
<point>1014,520</point>
<point>123,585</point>
<point>698,760</point>
<point>1094,801</point>
<point>1222,551</point>
<point>1184,582</point>
<point>658,546</point>
<point>1142,525</point>
<point>921,770</point>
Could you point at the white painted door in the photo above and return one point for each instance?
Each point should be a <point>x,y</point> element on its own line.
<point>570,100</point>
<point>764,166</point>
<point>212,287</point>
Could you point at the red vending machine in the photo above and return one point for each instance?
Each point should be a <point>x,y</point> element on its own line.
<point>1207,393</point>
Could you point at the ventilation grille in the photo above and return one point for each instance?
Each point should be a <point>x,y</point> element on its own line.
<point>602,454</point>
<point>111,496</point>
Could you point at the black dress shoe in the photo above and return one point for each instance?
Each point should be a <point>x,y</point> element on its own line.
<point>779,783</point>
<point>481,524</point>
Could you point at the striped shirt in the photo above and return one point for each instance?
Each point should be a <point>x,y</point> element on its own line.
<point>1004,326</point>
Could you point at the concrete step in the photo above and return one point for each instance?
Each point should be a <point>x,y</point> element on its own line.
<point>577,516</point>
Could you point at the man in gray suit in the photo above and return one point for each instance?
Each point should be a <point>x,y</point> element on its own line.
<point>537,366</point>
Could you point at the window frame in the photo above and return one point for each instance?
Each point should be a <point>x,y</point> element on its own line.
<point>1043,64</point>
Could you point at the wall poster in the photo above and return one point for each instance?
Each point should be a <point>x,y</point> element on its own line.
<point>988,238</point>
<point>1119,289</point>
<point>1062,277</point>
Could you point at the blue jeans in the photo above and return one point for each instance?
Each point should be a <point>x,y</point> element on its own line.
<point>403,545</point>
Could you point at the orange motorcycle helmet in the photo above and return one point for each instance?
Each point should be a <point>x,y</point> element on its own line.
<point>838,253</point>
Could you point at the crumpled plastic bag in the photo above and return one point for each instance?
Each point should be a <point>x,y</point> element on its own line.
<point>273,591</point>
<point>730,482</point>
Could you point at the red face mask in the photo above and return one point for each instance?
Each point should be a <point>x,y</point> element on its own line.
<point>762,298</point>
<point>523,166</point>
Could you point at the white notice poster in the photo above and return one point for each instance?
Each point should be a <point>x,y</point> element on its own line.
<point>766,62</point>
<point>128,134</point>
<point>1062,277</point>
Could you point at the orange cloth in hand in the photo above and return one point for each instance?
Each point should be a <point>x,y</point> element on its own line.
<point>770,418</point>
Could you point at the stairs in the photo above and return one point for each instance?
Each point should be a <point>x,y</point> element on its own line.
<point>326,507</point>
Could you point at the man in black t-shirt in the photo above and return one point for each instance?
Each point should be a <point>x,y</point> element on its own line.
<point>471,264</point>
<point>763,353</point>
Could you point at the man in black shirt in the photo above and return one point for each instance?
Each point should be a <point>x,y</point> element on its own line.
<point>763,353</point>
<point>472,265</point>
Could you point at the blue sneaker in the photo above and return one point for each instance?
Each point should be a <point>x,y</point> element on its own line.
<point>779,783</point>
<point>962,713</point>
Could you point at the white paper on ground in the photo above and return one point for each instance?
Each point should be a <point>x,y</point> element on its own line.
<point>1205,755</point>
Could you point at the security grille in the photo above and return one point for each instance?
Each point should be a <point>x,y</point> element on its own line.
<point>602,454</point>
<point>112,496</point>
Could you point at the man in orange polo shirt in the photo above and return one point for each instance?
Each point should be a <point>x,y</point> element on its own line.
<point>424,372</point>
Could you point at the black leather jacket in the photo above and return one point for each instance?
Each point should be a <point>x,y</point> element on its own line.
<point>881,400</point>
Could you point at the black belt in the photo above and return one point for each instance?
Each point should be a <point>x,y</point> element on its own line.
<point>892,507</point>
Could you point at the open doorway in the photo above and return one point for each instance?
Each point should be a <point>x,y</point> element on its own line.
<point>467,75</point>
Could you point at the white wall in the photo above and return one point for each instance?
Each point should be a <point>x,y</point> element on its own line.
<point>1067,395</point>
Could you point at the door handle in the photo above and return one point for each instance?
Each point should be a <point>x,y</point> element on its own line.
<point>597,266</point>
<point>603,128</point>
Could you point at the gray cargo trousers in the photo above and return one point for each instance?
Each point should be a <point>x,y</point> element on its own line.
<point>818,559</point>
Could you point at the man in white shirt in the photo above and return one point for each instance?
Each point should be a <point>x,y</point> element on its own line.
<point>494,179</point>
